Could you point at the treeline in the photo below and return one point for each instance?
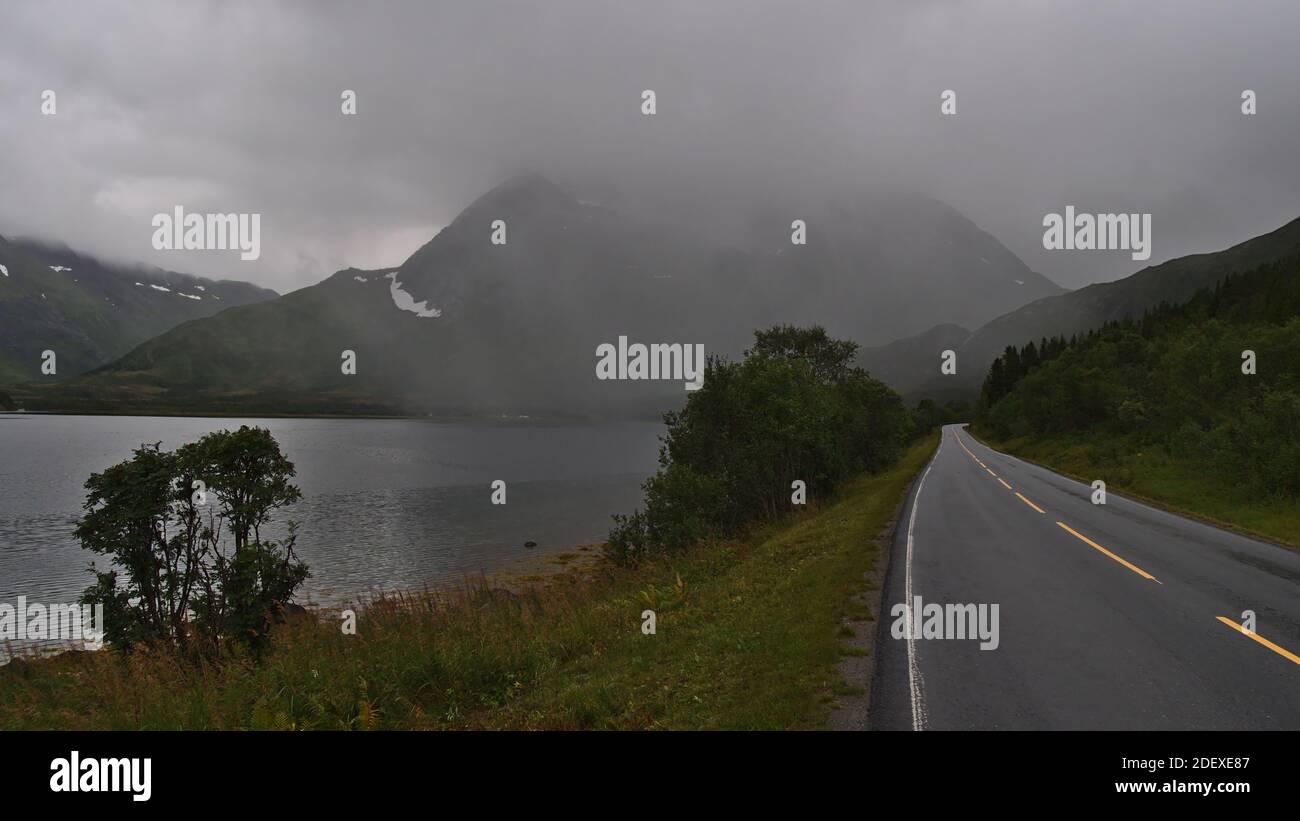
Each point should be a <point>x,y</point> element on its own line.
<point>929,415</point>
<point>795,408</point>
<point>1177,378</point>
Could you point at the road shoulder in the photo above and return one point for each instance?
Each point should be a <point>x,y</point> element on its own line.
<point>858,667</point>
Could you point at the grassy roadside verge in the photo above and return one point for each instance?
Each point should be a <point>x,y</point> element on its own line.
<point>1151,475</point>
<point>747,636</point>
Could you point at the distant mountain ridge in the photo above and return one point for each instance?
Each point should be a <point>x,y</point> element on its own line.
<point>911,365</point>
<point>89,311</point>
<point>468,327</point>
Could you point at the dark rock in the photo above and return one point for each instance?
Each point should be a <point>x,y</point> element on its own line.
<point>283,611</point>
<point>530,544</point>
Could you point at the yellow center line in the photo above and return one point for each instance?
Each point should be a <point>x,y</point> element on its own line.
<point>1091,543</point>
<point>963,447</point>
<point>1251,634</point>
<point>1281,651</point>
<point>1031,504</point>
<point>972,455</point>
<point>1009,487</point>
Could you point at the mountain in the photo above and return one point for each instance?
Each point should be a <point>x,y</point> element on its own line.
<point>875,265</point>
<point>465,326</point>
<point>90,312</point>
<point>910,365</point>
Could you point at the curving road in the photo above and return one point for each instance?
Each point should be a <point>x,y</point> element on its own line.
<point>1115,616</point>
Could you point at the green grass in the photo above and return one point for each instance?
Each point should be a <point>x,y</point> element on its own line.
<point>1152,475</point>
<point>748,635</point>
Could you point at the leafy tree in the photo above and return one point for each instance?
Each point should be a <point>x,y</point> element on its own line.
<point>830,359</point>
<point>160,517</point>
<point>794,409</point>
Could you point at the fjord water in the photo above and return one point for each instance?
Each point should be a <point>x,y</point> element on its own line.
<point>387,504</point>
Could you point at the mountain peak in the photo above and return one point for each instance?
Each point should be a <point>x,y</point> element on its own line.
<point>524,191</point>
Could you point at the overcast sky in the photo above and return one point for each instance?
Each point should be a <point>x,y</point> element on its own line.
<point>235,106</point>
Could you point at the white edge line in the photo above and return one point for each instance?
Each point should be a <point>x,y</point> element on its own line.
<point>914,683</point>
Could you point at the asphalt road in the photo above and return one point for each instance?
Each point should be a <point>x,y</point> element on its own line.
<point>1114,623</point>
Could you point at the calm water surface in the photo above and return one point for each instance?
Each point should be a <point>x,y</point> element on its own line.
<point>387,504</point>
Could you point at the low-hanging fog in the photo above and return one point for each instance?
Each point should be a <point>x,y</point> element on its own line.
<point>221,106</point>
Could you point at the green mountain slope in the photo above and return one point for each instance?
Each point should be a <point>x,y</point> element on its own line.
<point>90,312</point>
<point>912,362</point>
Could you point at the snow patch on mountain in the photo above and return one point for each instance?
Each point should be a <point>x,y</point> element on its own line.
<point>406,302</point>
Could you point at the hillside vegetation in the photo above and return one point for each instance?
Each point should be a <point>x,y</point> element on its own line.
<point>90,311</point>
<point>1162,404</point>
<point>911,366</point>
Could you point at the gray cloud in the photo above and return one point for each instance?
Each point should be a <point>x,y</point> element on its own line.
<point>1108,106</point>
